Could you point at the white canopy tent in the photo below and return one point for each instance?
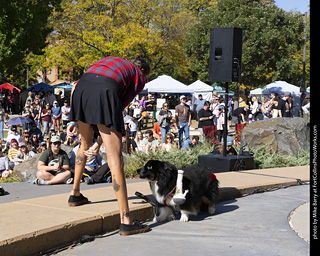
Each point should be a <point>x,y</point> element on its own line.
<point>201,88</point>
<point>281,87</point>
<point>166,84</point>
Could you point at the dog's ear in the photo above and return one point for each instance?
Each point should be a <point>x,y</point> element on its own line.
<point>168,166</point>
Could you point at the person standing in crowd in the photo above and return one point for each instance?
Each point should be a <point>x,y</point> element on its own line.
<point>150,104</point>
<point>306,109</point>
<point>164,118</point>
<point>283,105</point>
<point>265,109</point>
<point>137,110</point>
<point>56,115</point>
<point>239,114</point>
<point>142,102</point>
<point>2,114</point>
<point>50,98</point>
<point>183,119</point>
<point>27,112</point>
<point>198,105</point>
<point>37,112</point>
<point>46,115</point>
<point>109,85</point>
<point>254,106</point>
<point>206,117</point>
<point>220,121</point>
<point>65,109</point>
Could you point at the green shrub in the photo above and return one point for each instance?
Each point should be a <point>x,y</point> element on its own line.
<point>178,157</point>
<point>181,159</point>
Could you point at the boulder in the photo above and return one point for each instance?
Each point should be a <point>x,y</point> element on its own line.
<point>286,136</point>
<point>27,170</point>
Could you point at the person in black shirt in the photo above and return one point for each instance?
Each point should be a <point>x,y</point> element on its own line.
<point>150,103</point>
<point>283,105</point>
<point>239,114</point>
<point>206,126</point>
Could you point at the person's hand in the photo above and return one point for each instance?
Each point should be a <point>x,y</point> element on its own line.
<point>71,129</point>
<point>56,166</point>
<point>211,117</point>
<point>89,169</point>
<point>92,151</point>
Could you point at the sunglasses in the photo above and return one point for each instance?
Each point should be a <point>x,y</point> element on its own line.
<point>56,143</point>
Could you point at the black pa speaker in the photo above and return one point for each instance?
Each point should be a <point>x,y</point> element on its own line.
<point>220,163</point>
<point>225,54</point>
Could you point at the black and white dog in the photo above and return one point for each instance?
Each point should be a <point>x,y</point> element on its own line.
<point>198,179</point>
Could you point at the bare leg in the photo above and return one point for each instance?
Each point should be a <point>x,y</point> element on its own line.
<point>113,143</point>
<point>60,178</point>
<point>86,132</point>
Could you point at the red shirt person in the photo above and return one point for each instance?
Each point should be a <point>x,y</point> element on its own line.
<point>98,99</point>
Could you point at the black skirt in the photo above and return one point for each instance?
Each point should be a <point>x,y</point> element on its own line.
<point>96,100</point>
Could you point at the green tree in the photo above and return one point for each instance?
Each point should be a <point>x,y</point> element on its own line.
<point>23,26</point>
<point>88,30</point>
<point>271,37</point>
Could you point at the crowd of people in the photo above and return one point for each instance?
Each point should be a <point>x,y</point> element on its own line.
<point>146,129</point>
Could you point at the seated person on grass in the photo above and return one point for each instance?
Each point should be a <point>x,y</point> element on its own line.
<point>149,143</point>
<point>4,165</point>
<point>96,169</point>
<point>53,165</point>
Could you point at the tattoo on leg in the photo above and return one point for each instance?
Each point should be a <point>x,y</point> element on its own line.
<point>79,159</point>
<point>116,186</point>
<point>126,214</point>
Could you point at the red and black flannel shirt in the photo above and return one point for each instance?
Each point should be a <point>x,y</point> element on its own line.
<point>124,72</point>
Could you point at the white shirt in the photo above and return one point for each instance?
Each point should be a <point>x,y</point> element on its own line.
<point>67,109</point>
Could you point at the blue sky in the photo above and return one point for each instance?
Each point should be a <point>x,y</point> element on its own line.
<point>294,5</point>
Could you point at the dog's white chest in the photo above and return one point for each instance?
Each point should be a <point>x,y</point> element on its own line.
<point>162,199</point>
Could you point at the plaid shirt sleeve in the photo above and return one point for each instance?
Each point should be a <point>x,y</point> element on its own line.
<point>124,72</point>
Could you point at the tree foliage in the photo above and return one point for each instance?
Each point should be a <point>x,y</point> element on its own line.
<point>271,37</point>
<point>88,30</point>
<point>23,26</point>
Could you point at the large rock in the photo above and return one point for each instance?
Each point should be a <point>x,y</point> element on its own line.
<point>27,170</point>
<point>285,135</point>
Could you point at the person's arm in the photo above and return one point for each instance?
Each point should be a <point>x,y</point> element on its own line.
<point>43,167</point>
<point>189,121</point>
<point>177,118</point>
<point>94,149</point>
<point>242,117</point>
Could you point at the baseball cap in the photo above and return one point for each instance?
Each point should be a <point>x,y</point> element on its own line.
<point>22,144</point>
<point>55,139</point>
<point>182,96</point>
<point>14,141</point>
<point>55,102</point>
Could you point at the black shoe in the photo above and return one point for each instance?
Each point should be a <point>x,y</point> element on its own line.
<point>77,200</point>
<point>88,180</point>
<point>136,228</point>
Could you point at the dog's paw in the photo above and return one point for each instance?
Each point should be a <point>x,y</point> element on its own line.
<point>211,210</point>
<point>184,217</point>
